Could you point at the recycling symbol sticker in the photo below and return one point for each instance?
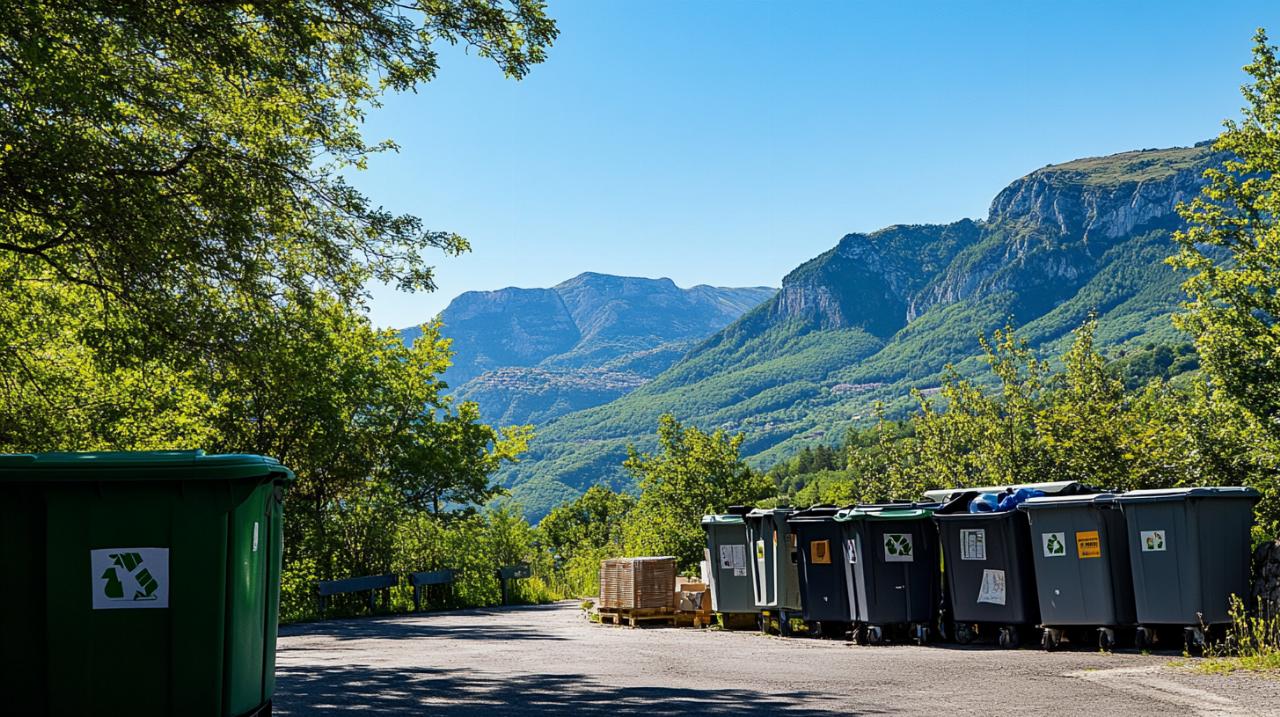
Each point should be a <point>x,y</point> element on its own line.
<point>1055,544</point>
<point>129,578</point>
<point>897,548</point>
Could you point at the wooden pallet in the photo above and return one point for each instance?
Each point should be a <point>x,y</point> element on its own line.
<point>694,619</point>
<point>633,616</point>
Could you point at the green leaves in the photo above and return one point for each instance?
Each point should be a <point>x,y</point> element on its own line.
<point>694,473</point>
<point>1232,249</point>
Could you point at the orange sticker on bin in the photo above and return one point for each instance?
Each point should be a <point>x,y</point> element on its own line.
<point>820,552</point>
<point>1088,545</point>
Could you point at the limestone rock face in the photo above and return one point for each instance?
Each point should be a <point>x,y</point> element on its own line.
<point>529,355</point>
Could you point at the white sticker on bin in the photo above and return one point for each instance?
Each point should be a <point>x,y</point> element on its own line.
<point>973,544</point>
<point>1055,544</point>
<point>992,590</point>
<point>1152,541</point>
<point>898,548</point>
<point>129,578</point>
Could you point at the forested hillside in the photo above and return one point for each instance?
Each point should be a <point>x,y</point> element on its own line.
<point>886,312</point>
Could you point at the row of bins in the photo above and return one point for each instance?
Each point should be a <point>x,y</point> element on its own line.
<point>1073,562</point>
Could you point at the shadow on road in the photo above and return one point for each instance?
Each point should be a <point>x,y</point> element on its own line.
<point>325,691</point>
<point>403,627</point>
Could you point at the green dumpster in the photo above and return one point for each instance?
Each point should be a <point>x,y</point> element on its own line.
<point>139,583</point>
<point>727,555</point>
<point>774,567</point>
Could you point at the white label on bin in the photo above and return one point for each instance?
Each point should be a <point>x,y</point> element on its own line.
<point>255,536</point>
<point>973,544</point>
<point>1055,544</point>
<point>897,548</point>
<point>129,578</point>
<point>992,590</point>
<point>851,549</point>
<point>1152,541</point>
<point>734,557</point>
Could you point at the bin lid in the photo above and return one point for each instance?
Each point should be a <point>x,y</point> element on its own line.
<point>941,495</point>
<point>814,514</point>
<point>137,466</point>
<point>1152,495</point>
<point>762,512</point>
<point>1062,501</point>
<point>723,519</point>
<point>897,512</point>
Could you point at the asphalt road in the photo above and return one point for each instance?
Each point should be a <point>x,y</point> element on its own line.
<point>550,660</point>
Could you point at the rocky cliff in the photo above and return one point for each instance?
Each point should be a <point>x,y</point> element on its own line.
<point>883,313</point>
<point>533,354</point>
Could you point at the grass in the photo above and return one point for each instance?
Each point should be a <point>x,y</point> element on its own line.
<point>1252,644</point>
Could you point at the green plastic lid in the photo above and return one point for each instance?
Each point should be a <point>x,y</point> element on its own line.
<point>724,519</point>
<point>137,466</point>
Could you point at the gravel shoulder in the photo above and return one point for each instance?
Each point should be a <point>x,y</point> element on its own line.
<point>549,660</point>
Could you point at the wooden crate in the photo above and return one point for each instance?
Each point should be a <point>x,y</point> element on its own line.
<point>638,583</point>
<point>633,616</point>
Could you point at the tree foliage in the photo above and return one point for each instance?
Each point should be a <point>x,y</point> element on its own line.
<point>693,473</point>
<point>183,263</point>
<point>1232,248</point>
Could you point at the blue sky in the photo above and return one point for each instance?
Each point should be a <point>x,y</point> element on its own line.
<point>726,142</point>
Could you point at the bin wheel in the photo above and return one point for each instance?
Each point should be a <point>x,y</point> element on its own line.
<point>1008,637</point>
<point>964,633</point>
<point>1144,639</point>
<point>875,634</point>
<point>1051,639</point>
<point>1106,639</point>
<point>920,633</point>
<point>1193,640</point>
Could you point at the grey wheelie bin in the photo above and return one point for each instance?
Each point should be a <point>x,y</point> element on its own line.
<point>728,557</point>
<point>1189,549</point>
<point>140,583</point>
<point>824,580</point>
<point>893,570</point>
<point>988,573</point>
<point>1081,555</point>
<point>774,575</point>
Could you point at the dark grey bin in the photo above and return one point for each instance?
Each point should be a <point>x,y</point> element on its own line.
<point>729,556</point>
<point>988,573</point>
<point>1080,551</point>
<point>774,571</point>
<point>824,590</point>
<point>1189,550</point>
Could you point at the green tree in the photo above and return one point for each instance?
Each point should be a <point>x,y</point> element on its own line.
<point>694,473</point>
<point>1232,248</point>
<point>593,520</point>
<point>183,161</point>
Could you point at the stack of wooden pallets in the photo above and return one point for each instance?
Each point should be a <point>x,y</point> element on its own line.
<point>637,590</point>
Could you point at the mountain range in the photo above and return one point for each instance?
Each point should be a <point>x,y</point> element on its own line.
<point>530,355</point>
<point>880,314</point>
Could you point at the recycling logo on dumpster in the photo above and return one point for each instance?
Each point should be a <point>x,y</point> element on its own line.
<point>1055,544</point>
<point>897,548</point>
<point>129,578</point>
<point>1152,541</point>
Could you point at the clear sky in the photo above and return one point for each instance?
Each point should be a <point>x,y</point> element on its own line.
<point>726,142</point>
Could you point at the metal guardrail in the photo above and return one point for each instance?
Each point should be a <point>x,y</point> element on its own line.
<point>373,583</point>
<point>425,580</point>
